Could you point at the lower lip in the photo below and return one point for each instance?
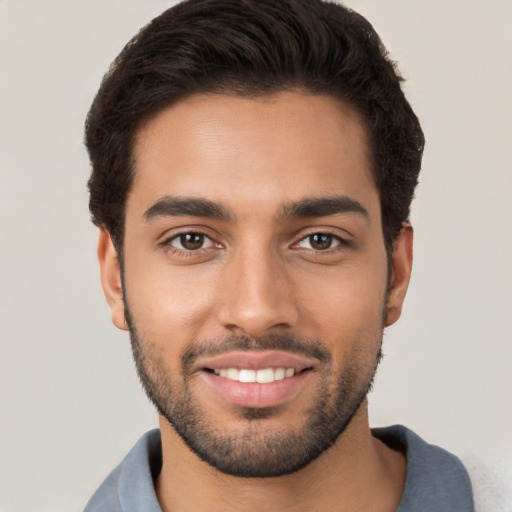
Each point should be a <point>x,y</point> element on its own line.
<point>253,394</point>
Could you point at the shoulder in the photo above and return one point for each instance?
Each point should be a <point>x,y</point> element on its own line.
<point>435,480</point>
<point>106,497</point>
<point>130,485</point>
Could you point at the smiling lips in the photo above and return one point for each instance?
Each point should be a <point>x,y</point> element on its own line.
<point>264,376</point>
<point>256,379</point>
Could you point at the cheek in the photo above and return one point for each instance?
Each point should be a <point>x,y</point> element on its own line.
<point>167,302</point>
<point>346,308</point>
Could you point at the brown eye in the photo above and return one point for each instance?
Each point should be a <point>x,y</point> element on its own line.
<point>191,241</point>
<point>319,241</point>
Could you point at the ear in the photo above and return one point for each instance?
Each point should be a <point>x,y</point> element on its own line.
<point>111,279</point>
<point>401,261</point>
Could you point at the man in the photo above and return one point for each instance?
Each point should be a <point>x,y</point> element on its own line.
<point>253,167</point>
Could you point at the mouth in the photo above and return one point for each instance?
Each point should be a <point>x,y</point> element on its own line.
<point>263,376</point>
<point>256,379</point>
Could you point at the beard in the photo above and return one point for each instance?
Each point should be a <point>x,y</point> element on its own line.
<point>256,452</point>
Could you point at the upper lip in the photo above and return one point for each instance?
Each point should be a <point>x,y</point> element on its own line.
<point>255,361</point>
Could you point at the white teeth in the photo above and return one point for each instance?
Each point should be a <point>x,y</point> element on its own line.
<point>264,376</point>
<point>247,376</point>
<point>232,373</point>
<point>279,373</point>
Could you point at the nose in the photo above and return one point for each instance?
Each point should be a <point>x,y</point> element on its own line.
<point>257,294</point>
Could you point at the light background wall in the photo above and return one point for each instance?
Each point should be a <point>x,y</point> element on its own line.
<point>70,404</point>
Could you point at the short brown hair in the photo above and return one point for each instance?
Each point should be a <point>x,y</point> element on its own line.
<point>252,48</point>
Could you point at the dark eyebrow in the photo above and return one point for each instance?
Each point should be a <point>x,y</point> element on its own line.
<point>193,206</point>
<point>322,207</point>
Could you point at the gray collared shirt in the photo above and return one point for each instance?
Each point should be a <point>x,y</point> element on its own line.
<point>436,480</point>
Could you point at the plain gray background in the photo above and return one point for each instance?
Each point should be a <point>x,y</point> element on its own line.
<point>71,405</point>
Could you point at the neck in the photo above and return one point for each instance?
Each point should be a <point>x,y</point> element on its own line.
<point>357,473</point>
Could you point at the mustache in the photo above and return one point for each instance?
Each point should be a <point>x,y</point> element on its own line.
<point>283,342</point>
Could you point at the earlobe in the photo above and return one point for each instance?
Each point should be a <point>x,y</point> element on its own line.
<point>400,273</point>
<point>111,278</point>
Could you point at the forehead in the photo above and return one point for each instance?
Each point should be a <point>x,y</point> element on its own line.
<point>260,151</point>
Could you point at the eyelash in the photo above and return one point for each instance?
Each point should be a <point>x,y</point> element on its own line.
<point>187,253</point>
<point>341,242</point>
<point>183,252</point>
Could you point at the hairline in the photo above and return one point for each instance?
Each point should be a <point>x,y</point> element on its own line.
<point>256,94</point>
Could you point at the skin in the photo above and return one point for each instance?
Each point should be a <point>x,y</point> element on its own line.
<point>258,274</point>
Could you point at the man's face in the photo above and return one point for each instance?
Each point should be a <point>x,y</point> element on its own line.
<point>253,250</point>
